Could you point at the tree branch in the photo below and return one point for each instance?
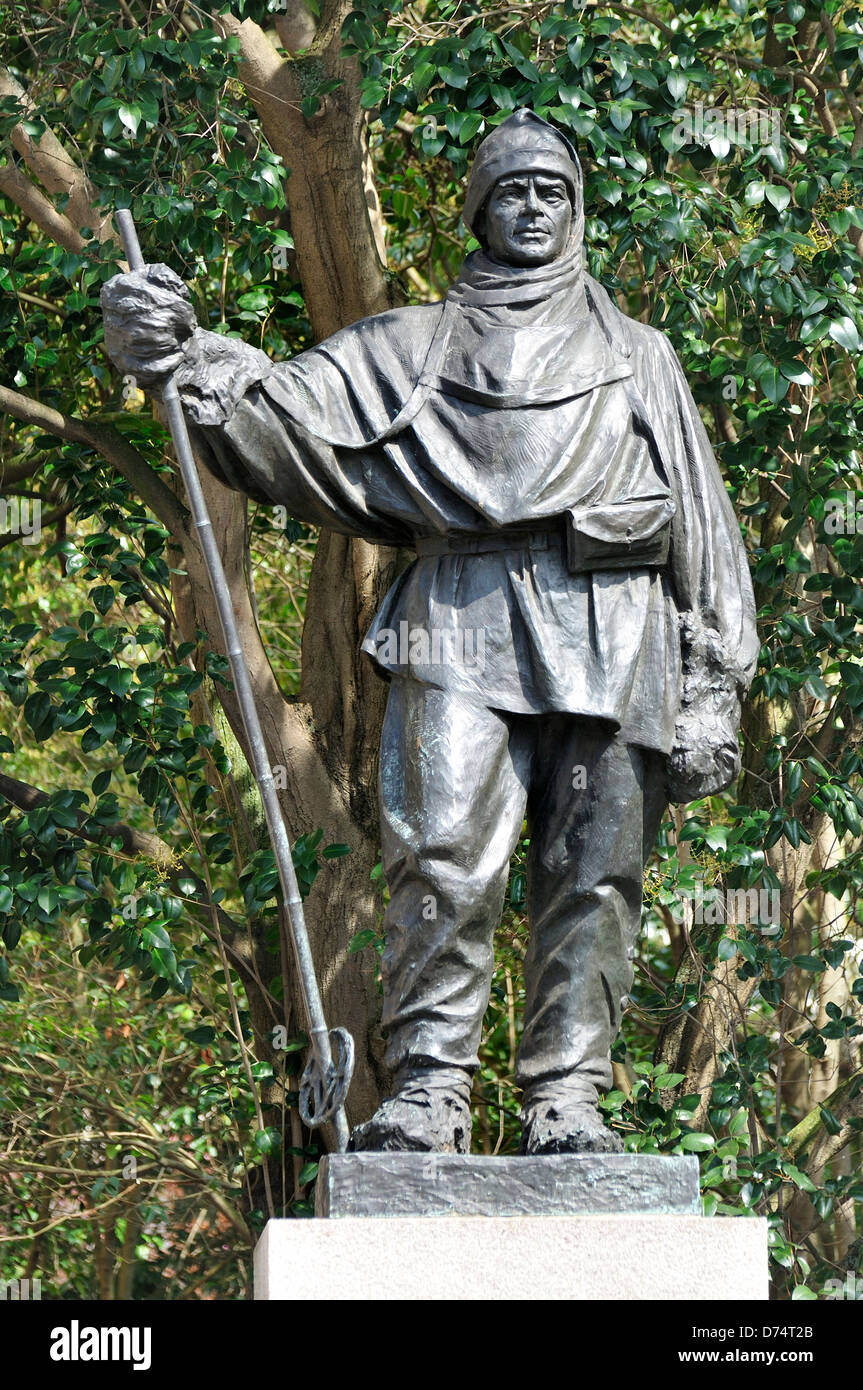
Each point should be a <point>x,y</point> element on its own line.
<point>40,210</point>
<point>811,1143</point>
<point>108,442</point>
<point>55,168</point>
<point>10,477</point>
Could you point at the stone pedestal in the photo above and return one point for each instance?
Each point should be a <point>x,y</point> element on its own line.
<point>609,1258</point>
<point>442,1227</point>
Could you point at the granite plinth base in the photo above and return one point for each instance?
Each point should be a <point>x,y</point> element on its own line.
<point>502,1258</point>
<point>416,1184</point>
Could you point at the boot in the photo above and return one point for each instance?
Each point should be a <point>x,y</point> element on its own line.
<point>561,1117</point>
<point>429,1112</point>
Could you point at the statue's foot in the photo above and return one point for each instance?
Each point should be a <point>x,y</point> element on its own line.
<point>564,1119</point>
<point>429,1113</point>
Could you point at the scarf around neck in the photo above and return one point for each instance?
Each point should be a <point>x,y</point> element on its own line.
<point>524,335</point>
<point>484,282</point>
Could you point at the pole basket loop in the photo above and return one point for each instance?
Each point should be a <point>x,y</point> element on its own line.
<point>321,1097</point>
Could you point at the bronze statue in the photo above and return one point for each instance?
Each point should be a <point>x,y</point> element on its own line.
<point>572,642</point>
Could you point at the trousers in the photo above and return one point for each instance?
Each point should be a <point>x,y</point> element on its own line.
<point>456,782</point>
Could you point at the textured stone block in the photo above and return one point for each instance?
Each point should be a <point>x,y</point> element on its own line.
<point>404,1184</point>
<point>522,1258</point>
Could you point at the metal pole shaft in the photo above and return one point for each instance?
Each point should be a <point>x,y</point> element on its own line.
<point>318,1032</point>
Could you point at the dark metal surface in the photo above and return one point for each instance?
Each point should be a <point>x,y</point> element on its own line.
<point>396,1184</point>
<point>324,1086</point>
<point>451,818</point>
<point>571,644</point>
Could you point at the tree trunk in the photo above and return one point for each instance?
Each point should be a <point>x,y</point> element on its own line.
<point>328,742</point>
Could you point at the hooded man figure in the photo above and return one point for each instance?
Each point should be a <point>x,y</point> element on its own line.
<point>571,643</point>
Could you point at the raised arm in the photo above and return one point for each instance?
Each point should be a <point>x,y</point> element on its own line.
<point>253,423</point>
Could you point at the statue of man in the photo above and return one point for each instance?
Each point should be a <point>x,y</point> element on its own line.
<point>571,644</point>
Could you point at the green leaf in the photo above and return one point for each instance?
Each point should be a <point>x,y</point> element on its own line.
<point>609,190</point>
<point>844,332</point>
<point>268,1141</point>
<point>716,836</point>
<point>117,679</point>
<point>829,1121</point>
<point>455,75</point>
<point>816,686</point>
<point>469,126</point>
<point>778,195</point>
<point>677,85</point>
<point>502,96</point>
<point>799,1178</point>
<point>811,963</point>
<point>667,1080</point>
<point>201,1036</point>
<point>47,899</point>
<point>101,782</point>
<point>130,117</point>
<point>12,934</point>
<point>795,371</point>
<point>521,63</point>
<point>698,1143</point>
<point>164,962</point>
<point>153,935</point>
<point>374,94</point>
<point>367,937</point>
<point>621,116</point>
<point>773,384</point>
<point>103,597</point>
<point>806,192</point>
<point>105,723</point>
<point>40,714</point>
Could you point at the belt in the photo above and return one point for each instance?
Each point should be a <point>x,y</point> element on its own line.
<point>485,545</point>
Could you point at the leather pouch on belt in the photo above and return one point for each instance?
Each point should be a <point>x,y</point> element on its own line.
<point>619,535</point>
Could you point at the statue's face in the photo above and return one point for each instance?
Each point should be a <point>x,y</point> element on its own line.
<point>527,219</point>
